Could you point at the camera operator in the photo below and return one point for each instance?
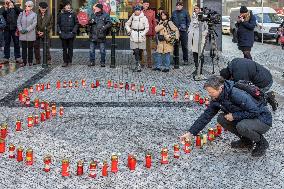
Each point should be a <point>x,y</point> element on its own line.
<point>248,70</point>
<point>246,23</point>
<point>243,115</point>
<point>193,37</point>
<point>10,13</point>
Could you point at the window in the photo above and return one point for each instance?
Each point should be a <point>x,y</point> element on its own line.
<point>268,18</point>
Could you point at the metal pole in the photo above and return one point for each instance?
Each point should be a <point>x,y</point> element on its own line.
<point>113,45</point>
<point>44,53</point>
<point>262,22</point>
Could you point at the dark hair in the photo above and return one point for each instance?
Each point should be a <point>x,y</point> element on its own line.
<point>179,3</point>
<point>225,73</point>
<point>161,8</point>
<point>215,82</point>
<point>165,13</point>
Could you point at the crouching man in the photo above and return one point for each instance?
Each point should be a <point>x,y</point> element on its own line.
<point>242,115</point>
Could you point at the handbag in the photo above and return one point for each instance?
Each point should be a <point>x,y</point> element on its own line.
<point>161,37</point>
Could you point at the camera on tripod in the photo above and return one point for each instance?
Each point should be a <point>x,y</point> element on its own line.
<point>209,16</point>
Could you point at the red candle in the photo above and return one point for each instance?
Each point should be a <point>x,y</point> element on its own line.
<point>2,145</point>
<point>20,154</point>
<point>61,109</point>
<point>21,97</point>
<point>65,168</point>
<point>70,84</point>
<point>219,128</point>
<point>201,101</point>
<point>83,82</point>
<point>18,125</point>
<point>37,87</point>
<point>176,151</point>
<point>211,135</point>
<point>92,85</point>
<point>175,93</point>
<point>126,86</point>
<point>165,157</point>
<point>46,107</point>
<point>215,133</point>
<point>132,163</point>
<point>186,95</point>
<point>153,90</point>
<point>64,84</point>
<point>76,84</point>
<point>30,121</point>
<point>198,141</point>
<point>114,163</point>
<point>26,92</point>
<point>148,160</point>
<point>28,101</point>
<point>36,103</point>
<point>48,85</point>
<point>115,86</point>
<point>196,97</point>
<point>42,87</point>
<point>36,120</point>
<point>42,116</point>
<point>97,83</point>
<point>12,151</point>
<point>93,166</point>
<point>42,105</point>
<point>47,162</point>
<point>4,131</point>
<point>142,88</point>
<point>121,85</point>
<point>109,84</point>
<point>104,169</point>
<point>132,87</point>
<point>47,114</point>
<point>58,84</point>
<point>53,110</point>
<point>29,157</point>
<point>80,168</point>
<point>31,89</point>
<point>186,147</point>
<point>163,92</point>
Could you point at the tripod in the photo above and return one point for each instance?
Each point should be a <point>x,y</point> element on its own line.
<point>211,39</point>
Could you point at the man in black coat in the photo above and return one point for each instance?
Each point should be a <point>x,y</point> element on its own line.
<point>67,26</point>
<point>245,33</point>
<point>10,13</point>
<point>242,115</point>
<point>100,23</point>
<point>248,70</point>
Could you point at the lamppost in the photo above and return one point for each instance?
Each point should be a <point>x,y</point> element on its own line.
<point>113,45</point>
<point>44,61</point>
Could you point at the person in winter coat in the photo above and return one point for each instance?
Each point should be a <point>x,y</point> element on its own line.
<point>67,26</point>
<point>2,26</point>
<point>245,31</point>
<point>99,23</point>
<point>137,27</point>
<point>243,115</point>
<point>10,12</point>
<point>151,17</point>
<point>181,19</point>
<point>193,38</point>
<point>26,23</point>
<point>248,70</point>
<point>165,47</point>
<point>44,20</point>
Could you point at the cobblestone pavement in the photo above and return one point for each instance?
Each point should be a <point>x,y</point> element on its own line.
<point>101,121</point>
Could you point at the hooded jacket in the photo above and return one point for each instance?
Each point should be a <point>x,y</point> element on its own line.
<point>235,101</point>
<point>11,17</point>
<point>100,23</point>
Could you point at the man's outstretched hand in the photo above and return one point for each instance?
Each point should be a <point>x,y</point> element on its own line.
<point>185,136</point>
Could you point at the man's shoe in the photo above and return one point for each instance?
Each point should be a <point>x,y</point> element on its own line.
<point>272,101</point>
<point>185,63</point>
<point>65,64</point>
<point>260,148</point>
<point>6,61</point>
<point>37,61</point>
<point>156,69</point>
<point>165,70</point>
<point>92,64</point>
<point>103,65</point>
<point>19,61</point>
<point>30,63</point>
<point>242,143</point>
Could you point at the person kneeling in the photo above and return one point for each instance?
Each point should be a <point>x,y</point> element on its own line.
<point>244,116</point>
<point>167,34</point>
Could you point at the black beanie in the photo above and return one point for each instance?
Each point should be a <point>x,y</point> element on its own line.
<point>243,9</point>
<point>225,73</point>
<point>100,6</point>
<point>43,5</point>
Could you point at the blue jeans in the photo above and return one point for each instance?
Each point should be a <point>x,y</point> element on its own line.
<point>7,38</point>
<point>93,46</point>
<point>167,60</point>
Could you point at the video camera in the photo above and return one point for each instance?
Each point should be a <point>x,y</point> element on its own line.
<point>209,16</point>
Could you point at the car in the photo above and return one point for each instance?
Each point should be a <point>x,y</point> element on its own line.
<point>226,25</point>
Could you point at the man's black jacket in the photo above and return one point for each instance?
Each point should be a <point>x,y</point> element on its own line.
<point>246,69</point>
<point>235,101</point>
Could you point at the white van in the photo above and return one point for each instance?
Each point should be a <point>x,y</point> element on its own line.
<point>271,21</point>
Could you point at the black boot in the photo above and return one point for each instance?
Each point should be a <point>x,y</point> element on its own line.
<point>65,64</point>
<point>271,100</point>
<point>242,143</point>
<point>92,63</point>
<point>260,148</point>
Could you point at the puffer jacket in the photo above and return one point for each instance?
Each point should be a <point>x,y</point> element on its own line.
<point>99,24</point>
<point>137,27</point>
<point>67,24</point>
<point>235,101</point>
<point>245,32</point>
<point>27,22</point>
<point>164,28</point>
<point>11,17</point>
<point>150,15</point>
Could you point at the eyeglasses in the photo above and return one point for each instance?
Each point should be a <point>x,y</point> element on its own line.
<point>28,6</point>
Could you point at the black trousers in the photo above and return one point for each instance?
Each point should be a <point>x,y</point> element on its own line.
<point>252,129</point>
<point>246,52</point>
<point>67,45</point>
<point>37,48</point>
<point>138,53</point>
<point>195,59</point>
<point>27,51</point>
<point>184,45</point>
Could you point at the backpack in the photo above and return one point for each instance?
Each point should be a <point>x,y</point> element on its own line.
<point>251,89</point>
